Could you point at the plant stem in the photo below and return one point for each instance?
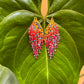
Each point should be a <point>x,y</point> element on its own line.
<point>43,24</point>
<point>46,53</point>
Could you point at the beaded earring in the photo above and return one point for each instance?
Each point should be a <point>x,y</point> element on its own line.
<point>51,37</point>
<point>36,36</point>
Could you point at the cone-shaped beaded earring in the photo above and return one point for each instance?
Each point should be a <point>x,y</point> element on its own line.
<point>51,37</point>
<point>36,37</point>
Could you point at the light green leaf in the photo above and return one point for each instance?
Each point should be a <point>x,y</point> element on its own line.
<point>73,22</point>
<point>6,76</point>
<point>65,63</point>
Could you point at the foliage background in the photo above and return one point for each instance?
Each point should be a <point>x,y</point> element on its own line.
<point>15,50</point>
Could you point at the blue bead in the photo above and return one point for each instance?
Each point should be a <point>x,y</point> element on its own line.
<point>54,26</point>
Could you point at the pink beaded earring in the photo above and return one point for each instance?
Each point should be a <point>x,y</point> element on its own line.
<point>36,37</point>
<point>52,37</point>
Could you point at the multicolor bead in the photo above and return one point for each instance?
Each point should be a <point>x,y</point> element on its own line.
<point>36,37</point>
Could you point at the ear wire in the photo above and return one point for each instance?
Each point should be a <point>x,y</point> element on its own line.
<point>35,14</point>
<point>40,20</point>
<point>48,21</point>
<point>52,15</point>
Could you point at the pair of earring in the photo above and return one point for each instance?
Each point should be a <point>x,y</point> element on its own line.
<point>37,37</point>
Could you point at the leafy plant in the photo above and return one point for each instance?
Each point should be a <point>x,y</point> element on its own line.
<point>15,50</point>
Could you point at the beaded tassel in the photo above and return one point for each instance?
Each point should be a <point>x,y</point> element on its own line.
<point>36,37</point>
<point>52,37</point>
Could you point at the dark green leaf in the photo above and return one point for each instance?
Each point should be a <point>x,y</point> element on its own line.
<point>76,5</point>
<point>37,3</point>
<point>28,5</point>
<point>8,6</point>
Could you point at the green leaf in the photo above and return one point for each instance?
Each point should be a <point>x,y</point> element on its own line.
<point>67,4</point>
<point>38,3</point>
<point>28,5</point>
<point>9,6</point>
<point>6,76</point>
<point>73,22</point>
<point>16,52</point>
<point>70,15</point>
<point>12,28</point>
<point>57,5</point>
<point>50,71</point>
<point>14,43</point>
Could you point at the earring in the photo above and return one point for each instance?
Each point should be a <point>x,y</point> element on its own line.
<point>36,37</point>
<point>51,37</point>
